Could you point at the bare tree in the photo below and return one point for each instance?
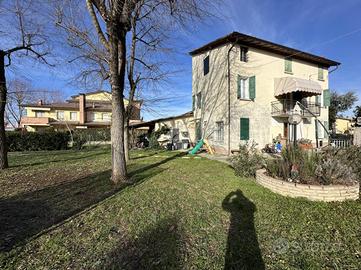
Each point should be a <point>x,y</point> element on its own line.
<point>24,38</point>
<point>111,21</point>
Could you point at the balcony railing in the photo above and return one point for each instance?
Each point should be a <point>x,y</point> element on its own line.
<point>26,120</point>
<point>285,107</point>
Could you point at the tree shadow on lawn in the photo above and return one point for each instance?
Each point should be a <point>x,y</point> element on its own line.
<point>243,250</point>
<point>161,246</point>
<point>47,161</point>
<point>27,214</point>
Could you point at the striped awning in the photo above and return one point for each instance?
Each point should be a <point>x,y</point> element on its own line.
<point>288,85</point>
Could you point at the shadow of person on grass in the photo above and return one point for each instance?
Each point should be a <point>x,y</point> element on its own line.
<point>161,246</point>
<point>242,245</point>
<point>27,214</point>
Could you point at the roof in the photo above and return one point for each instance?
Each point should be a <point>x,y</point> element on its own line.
<point>255,42</point>
<point>92,93</point>
<point>152,122</point>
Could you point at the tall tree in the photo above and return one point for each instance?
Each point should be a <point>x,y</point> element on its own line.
<point>111,21</point>
<point>340,103</point>
<point>23,36</point>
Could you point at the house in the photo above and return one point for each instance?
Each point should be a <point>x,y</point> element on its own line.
<point>90,110</point>
<point>344,125</point>
<point>245,89</point>
<point>182,127</point>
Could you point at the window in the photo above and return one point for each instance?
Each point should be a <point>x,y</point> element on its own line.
<point>320,73</point>
<point>73,116</point>
<point>193,102</point>
<point>199,100</point>
<point>106,117</point>
<point>318,100</point>
<point>244,54</point>
<point>319,130</point>
<point>242,88</point>
<point>198,130</point>
<point>288,65</point>
<point>206,65</point>
<point>244,129</point>
<point>326,98</point>
<point>325,123</point>
<point>39,114</point>
<point>220,131</point>
<point>60,115</point>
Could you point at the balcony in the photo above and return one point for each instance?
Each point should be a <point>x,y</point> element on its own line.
<point>36,121</point>
<point>285,107</point>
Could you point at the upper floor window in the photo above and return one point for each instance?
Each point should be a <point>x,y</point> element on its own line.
<point>106,116</point>
<point>193,102</point>
<point>320,73</point>
<point>73,116</point>
<point>199,100</point>
<point>60,115</point>
<point>244,54</point>
<point>39,114</point>
<point>242,88</point>
<point>206,65</point>
<point>288,65</point>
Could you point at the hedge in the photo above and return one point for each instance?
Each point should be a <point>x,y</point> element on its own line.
<point>35,141</point>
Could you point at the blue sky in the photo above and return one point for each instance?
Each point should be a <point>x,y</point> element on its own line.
<point>325,27</point>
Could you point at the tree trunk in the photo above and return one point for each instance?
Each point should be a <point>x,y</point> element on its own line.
<point>3,91</point>
<point>117,73</point>
<point>126,140</point>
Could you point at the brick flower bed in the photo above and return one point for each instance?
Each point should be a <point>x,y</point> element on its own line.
<point>312,192</point>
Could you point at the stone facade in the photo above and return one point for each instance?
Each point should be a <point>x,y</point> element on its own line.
<point>311,192</point>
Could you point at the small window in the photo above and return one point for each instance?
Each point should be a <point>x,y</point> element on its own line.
<point>288,65</point>
<point>60,115</point>
<point>106,116</point>
<point>206,65</point>
<point>73,116</point>
<point>244,54</point>
<point>242,88</point>
<point>320,73</point>
<point>199,100</point>
<point>193,102</point>
<point>220,131</point>
<point>39,114</point>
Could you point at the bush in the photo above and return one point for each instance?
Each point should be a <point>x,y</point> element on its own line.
<point>248,161</point>
<point>34,141</point>
<point>297,165</point>
<point>83,136</point>
<point>154,136</point>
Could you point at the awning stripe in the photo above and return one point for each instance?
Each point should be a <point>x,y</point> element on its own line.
<point>287,85</point>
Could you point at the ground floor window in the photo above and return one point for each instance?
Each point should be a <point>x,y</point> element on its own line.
<point>244,129</point>
<point>73,116</point>
<point>219,131</point>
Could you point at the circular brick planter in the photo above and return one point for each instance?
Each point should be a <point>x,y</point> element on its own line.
<point>312,192</point>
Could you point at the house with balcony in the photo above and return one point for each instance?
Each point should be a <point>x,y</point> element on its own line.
<point>249,89</point>
<point>90,110</point>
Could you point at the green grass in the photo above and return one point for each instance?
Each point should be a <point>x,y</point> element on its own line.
<point>58,210</point>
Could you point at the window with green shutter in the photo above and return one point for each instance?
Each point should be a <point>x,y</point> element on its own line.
<point>244,129</point>
<point>326,98</point>
<point>288,65</point>
<point>320,73</point>
<point>252,87</point>
<point>318,100</point>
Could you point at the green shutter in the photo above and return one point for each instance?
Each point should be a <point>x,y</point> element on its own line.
<point>326,98</point>
<point>327,127</point>
<point>244,126</point>
<point>252,87</point>
<point>320,73</point>
<point>193,102</point>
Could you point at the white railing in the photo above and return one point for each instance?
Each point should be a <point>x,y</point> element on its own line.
<point>340,143</point>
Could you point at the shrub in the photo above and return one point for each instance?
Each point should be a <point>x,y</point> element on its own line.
<point>247,161</point>
<point>83,136</point>
<point>297,165</point>
<point>154,136</point>
<point>34,141</point>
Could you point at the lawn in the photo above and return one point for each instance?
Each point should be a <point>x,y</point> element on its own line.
<point>58,210</point>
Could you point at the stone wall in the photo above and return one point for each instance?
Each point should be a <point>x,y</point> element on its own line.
<point>311,192</point>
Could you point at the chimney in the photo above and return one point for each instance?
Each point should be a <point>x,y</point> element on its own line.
<point>40,102</point>
<point>82,111</point>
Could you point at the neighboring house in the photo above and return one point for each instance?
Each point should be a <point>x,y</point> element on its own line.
<point>344,125</point>
<point>90,110</point>
<point>182,127</point>
<point>245,88</point>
